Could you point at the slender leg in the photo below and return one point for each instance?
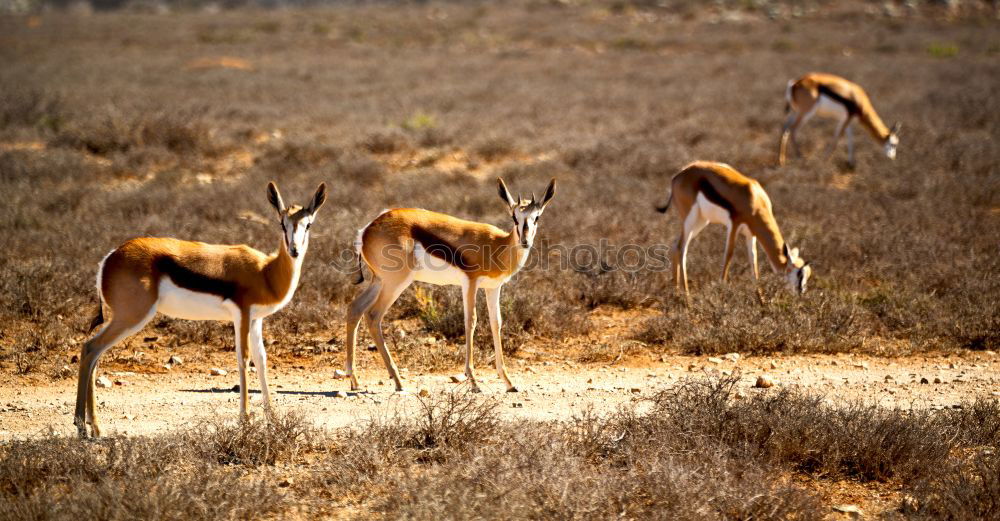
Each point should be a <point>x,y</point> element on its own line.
<point>786,131</point>
<point>122,325</point>
<point>676,258</point>
<point>387,296</point>
<point>730,246</point>
<point>260,360</point>
<point>241,326</point>
<point>836,137</point>
<point>496,323</point>
<point>693,225</point>
<point>469,290</point>
<point>850,145</point>
<point>752,254</point>
<point>362,303</point>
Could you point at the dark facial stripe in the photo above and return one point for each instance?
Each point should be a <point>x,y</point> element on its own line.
<point>194,281</point>
<point>440,248</point>
<point>851,107</point>
<point>713,196</point>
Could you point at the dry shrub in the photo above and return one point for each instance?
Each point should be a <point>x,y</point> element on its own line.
<point>724,318</point>
<point>959,489</point>
<point>446,426</point>
<point>116,131</point>
<point>493,148</point>
<point>124,478</point>
<point>801,431</point>
<point>295,154</point>
<point>278,437</point>
<point>384,142</point>
<point>30,107</point>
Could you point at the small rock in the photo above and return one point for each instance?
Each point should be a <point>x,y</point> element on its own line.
<point>853,510</point>
<point>424,393</point>
<point>936,380</point>
<point>102,382</point>
<point>774,365</point>
<point>168,367</point>
<point>121,383</point>
<point>714,360</point>
<point>75,359</point>
<point>287,482</point>
<point>372,347</point>
<point>590,380</point>
<point>764,381</point>
<point>458,378</point>
<point>236,388</point>
<point>429,340</point>
<point>924,381</point>
<point>732,357</point>
<point>952,365</point>
<point>517,405</point>
<point>215,371</point>
<point>175,360</point>
<point>834,362</point>
<point>692,367</point>
<point>635,390</point>
<point>889,378</point>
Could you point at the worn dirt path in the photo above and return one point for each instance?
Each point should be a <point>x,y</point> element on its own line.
<point>150,403</point>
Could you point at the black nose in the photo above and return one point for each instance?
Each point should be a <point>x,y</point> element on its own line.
<point>294,253</point>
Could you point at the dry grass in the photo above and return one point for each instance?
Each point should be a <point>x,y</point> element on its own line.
<point>699,452</point>
<point>183,157</point>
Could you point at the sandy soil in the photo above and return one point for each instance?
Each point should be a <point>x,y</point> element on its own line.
<point>147,403</point>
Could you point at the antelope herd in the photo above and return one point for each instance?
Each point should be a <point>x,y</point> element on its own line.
<point>238,284</point>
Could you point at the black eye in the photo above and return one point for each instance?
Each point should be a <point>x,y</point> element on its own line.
<point>308,225</point>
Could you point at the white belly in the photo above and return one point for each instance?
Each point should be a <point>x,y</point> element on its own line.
<point>178,302</point>
<point>434,270</point>
<point>710,211</point>
<point>829,108</point>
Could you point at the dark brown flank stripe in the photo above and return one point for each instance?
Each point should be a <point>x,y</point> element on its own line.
<point>194,281</point>
<point>440,248</point>
<point>705,187</point>
<point>851,107</point>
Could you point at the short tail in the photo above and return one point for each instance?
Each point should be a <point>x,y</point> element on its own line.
<point>665,207</point>
<point>99,318</point>
<point>361,271</point>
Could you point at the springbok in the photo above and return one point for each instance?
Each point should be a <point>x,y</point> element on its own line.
<point>833,97</point>
<point>407,244</point>
<point>197,281</point>
<point>706,192</point>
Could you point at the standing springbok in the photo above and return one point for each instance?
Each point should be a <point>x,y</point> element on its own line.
<point>197,281</point>
<point>707,192</point>
<point>407,244</point>
<point>833,97</point>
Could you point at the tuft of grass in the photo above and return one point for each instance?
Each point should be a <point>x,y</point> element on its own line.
<point>942,50</point>
<point>254,441</point>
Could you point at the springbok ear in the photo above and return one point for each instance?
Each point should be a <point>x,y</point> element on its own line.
<point>788,254</point>
<point>504,193</point>
<point>318,199</point>
<point>549,192</point>
<point>274,197</point>
<point>795,253</point>
<point>895,128</point>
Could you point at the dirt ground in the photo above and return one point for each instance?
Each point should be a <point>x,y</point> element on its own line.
<point>139,403</point>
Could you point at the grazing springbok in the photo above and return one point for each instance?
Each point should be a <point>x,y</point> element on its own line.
<point>706,192</point>
<point>833,97</point>
<point>407,244</point>
<point>197,281</point>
